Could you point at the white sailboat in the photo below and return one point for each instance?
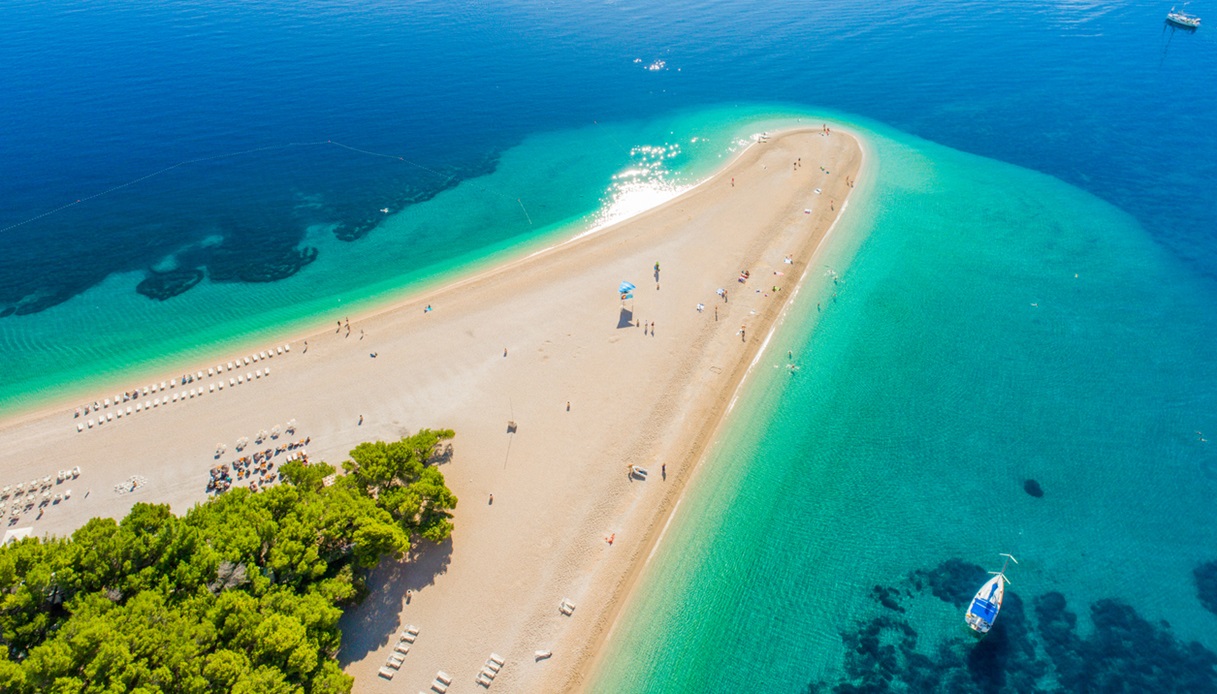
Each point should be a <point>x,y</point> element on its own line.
<point>983,609</point>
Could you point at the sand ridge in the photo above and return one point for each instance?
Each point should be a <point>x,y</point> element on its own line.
<point>516,343</point>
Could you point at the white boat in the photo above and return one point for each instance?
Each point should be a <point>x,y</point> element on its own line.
<point>983,609</point>
<point>1183,19</point>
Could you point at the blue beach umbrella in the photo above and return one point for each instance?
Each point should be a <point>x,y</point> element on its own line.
<point>625,288</point>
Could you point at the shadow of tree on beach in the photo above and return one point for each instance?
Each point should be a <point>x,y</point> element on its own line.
<point>370,625</point>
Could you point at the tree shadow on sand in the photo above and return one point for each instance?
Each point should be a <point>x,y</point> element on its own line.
<point>371,624</point>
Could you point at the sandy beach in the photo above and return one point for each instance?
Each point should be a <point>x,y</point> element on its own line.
<point>554,385</point>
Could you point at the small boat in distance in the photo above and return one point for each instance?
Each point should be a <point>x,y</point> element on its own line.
<point>982,612</point>
<point>1183,19</point>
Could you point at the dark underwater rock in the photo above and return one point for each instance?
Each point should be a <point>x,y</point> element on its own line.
<point>887,597</point>
<point>954,581</point>
<point>265,266</point>
<point>1037,650</point>
<point>166,285</point>
<point>1033,488</point>
<point>1206,585</point>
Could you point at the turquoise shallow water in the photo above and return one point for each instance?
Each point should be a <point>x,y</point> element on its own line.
<point>995,325</point>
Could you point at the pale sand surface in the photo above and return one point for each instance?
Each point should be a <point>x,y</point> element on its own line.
<point>559,481</point>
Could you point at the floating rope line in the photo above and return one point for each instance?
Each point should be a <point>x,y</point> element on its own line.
<point>198,160</point>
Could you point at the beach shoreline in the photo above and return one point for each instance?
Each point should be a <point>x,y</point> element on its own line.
<point>592,657</point>
<point>556,387</point>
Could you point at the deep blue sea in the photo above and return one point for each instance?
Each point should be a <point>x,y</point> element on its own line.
<point>178,175</point>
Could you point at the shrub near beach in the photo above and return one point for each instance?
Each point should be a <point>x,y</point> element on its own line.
<point>242,594</point>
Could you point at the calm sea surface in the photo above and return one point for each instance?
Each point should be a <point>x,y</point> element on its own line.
<point>1033,300</point>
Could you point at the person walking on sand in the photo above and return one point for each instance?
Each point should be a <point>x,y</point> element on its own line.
<point>360,420</point>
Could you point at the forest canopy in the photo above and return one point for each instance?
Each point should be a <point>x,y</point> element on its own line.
<point>242,594</point>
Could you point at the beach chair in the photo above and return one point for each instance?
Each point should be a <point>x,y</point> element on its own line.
<point>211,388</point>
<point>395,661</point>
<point>247,361</point>
<point>199,375</point>
<point>262,354</point>
<point>483,680</point>
<point>210,372</point>
<point>249,376</point>
<point>280,350</point>
<point>386,673</point>
<point>80,427</point>
<point>129,409</point>
<point>287,348</point>
<point>566,607</point>
<point>230,366</point>
<point>495,660</point>
<point>267,371</point>
<point>109,416</point>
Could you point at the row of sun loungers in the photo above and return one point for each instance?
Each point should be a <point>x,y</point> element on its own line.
<point>176,397</point>
<point>398,656</point>
<point>108,411</point>
<point>35,485</point>
<point>442,681</point>
<point>493,664</point>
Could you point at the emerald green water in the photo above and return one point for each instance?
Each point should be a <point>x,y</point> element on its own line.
<point>994,325</point>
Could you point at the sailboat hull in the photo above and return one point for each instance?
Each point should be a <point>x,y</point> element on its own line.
<point>983,609</point>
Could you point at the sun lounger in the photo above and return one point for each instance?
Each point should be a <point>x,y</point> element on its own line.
<point>408,637</point>
<point>439,687</point>
<point>386,673</point>
<point>395,661</point>
<point>262,354</point>
<point>267,370</point>
<point>444,677</point>
<point>247,361</point>
<point>80,427</point>
<point>199,375</point>
<point>566,607</point>
<point>542,655</point>
<point>280,350</point>
<point>412,630</point>
<point>497,659</point>
<point>258,373</point>
<point>128,409</point>
<point>109,416</point>
<point>402,648</point>
<point>483,680</point>
<point>287,348</point>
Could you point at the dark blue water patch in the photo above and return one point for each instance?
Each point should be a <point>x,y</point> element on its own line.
<point>221,219</point>
<point>1036,650</point>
